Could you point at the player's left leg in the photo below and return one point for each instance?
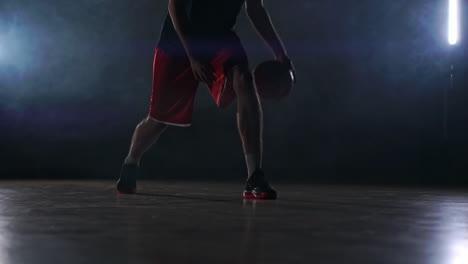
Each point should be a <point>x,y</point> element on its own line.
<point>249,116</point>
<point>250,125</point>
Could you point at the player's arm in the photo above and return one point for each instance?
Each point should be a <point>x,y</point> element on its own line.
<point>179,17</point>
<point>261,21</point>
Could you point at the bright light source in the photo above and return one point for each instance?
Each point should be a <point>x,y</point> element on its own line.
<point>459,253</point>
<point>453,22</point>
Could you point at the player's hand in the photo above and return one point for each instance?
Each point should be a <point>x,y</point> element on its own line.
<point>286,60</point>
<point>202,71</point>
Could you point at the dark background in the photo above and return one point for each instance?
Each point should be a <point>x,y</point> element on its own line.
<point>75,79</point>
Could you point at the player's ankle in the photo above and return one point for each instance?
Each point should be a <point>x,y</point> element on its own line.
<point>252,163</point>
<point>129,160</point>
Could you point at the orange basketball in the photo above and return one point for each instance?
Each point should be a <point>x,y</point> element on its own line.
<point>273,79</point>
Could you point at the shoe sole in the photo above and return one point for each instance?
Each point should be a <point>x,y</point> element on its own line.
<point>131,191</point>
<point>263,196</point>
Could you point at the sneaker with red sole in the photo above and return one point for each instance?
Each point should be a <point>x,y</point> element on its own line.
<point>257,187</point>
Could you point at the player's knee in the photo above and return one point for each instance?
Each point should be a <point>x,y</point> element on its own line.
<point>244,80</point>
<point>153,125</point>
<point>245,77</point>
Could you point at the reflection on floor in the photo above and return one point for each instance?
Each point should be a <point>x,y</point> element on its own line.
<point>208,222</point>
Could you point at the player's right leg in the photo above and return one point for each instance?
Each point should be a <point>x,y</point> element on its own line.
<point>146,134</point>
<point>174,89</point>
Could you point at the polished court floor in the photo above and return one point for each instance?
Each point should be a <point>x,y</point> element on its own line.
<point>207,222</point>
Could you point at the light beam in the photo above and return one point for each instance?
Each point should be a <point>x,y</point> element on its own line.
<point>454,22</point>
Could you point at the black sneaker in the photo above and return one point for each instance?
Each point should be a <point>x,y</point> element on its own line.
<point>127,180</point>
<point>257,187</point>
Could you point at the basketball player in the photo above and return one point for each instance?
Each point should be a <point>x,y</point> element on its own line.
<point>198,44</point>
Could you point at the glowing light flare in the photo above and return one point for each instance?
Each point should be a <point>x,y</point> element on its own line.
<point>454,22</point>
<point>459,252</point>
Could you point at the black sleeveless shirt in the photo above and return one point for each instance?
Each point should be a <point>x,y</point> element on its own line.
<point>210,22</point>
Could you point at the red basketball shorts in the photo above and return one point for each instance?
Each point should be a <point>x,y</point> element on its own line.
<point>175,87</point>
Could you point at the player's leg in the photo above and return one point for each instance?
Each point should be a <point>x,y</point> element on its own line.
<point>249,116</point>
<point>146,134</point>
<point>250,125</point>
<point>172,100</point>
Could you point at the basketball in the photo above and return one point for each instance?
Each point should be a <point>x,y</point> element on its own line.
<point>274,80</point>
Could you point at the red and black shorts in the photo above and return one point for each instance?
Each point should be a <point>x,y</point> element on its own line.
<point>175,87</point>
